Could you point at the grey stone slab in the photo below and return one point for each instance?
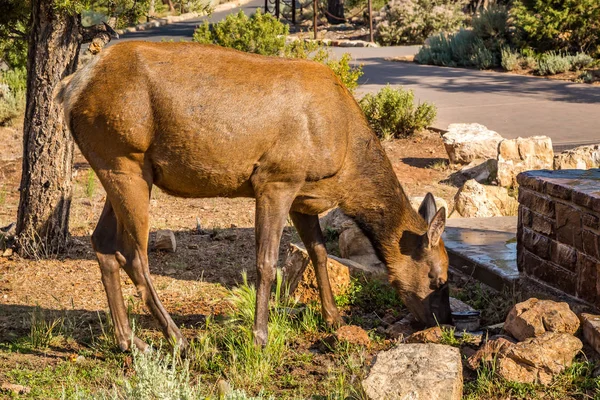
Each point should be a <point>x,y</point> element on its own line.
<point>485,248</point>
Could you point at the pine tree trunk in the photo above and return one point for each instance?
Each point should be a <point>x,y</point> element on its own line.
<point>43,216</point>
<point>335,10</point>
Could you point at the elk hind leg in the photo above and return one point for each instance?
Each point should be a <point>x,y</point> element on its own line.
<point>104,241</point>
<point>133,193</point>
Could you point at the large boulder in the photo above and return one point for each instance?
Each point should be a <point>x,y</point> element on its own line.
<point>416,371</point>
<point>474,200</point>
<point>538,359</point>
<point>302,281</point>
<point>523,154</point>
<point>336,220</point>
<point>467,142</point>
<point>534,317</point>
<point>583,157</point>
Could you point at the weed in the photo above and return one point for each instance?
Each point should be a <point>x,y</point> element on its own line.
<point>439,165</point>
<point>580,61</point>
<point>2,196</point>
<point>90,183</point>
<point>42,331</point>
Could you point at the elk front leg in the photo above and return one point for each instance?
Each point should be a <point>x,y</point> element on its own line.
<point>130,197</point>
<point>104,241</point>
<point>310,232</point>
<point>273,203</point>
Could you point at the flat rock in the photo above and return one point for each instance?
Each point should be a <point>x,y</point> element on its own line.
<point>523,154</point>
<point>538,359</point>
<point>583,157</point>
<point>165,240</point>
<point>591,330</point>
<point>416,371</point>
<point>534,317</point>
<point>467,142</point>
<point>337,221</point>
<point>302,281</point>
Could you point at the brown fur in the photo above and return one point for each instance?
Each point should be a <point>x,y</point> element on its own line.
<point>203,121</point>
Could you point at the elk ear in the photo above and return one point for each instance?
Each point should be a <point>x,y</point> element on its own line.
<point>428,208</point>
<point>436,228</point>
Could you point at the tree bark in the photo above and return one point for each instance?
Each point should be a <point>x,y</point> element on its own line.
<point>335,12</point>
<point>43,216</point>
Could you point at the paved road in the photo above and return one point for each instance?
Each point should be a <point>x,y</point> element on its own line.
<point>185,30</point>
<point>511,104</point>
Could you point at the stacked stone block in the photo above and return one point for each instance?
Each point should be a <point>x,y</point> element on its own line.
<point>558,238</point>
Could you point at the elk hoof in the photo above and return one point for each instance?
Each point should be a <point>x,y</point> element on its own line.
<point>334,322</point>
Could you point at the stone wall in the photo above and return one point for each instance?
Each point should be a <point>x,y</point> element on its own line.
<point>558,237</point>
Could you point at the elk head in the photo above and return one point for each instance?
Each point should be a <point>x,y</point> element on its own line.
<point>424,280</point>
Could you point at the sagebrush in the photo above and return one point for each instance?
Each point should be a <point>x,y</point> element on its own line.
<point>392,113</point>
<point>413,21</point>
<point>12,94</point>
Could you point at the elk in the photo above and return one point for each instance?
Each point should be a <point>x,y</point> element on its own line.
<point>203,121</point>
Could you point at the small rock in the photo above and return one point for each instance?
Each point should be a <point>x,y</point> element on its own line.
<point>7,253</point>
<point>583,157</point>
<point>224,234</point>
<point>193,246</point>
<point>538,359</point>
<point>416,371</point>
<point>14,389</point>
<point>523,154</point>
<point>534,317</point>
<point>467,142</point>
<point>354,335</point>
<point>165,240</point>
<point>591,330</point>
<point>430,335</point>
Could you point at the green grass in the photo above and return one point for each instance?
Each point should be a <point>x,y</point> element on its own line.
<point>90,183</point>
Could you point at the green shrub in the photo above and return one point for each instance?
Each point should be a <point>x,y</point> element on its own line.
<point>413,21</point>
<point>263,34</point>
<point>392,113</point>
<point>553,63</point>
<point>510,59</point>
<point>259,33</point>
<point>483,57</point>
<point>13,85</point>
<point>551,25</point>
<point>492,27</point>
<point>580,61</point>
